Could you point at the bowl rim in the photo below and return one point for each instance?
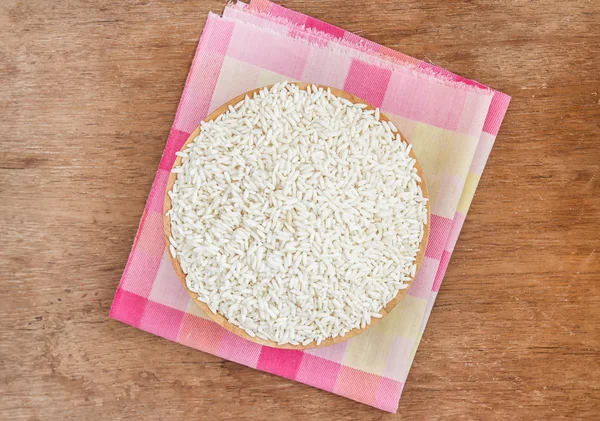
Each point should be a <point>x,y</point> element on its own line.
<point>220,319</point>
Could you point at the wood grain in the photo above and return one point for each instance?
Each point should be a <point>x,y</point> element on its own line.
<point>88,91</point>
<point>220,319</point>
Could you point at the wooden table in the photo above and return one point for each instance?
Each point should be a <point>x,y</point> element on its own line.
<point>88,91</point>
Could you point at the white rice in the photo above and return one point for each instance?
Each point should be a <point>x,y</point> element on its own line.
<point>297,215</point>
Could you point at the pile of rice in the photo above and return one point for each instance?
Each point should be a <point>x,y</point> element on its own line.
<point>297,215</point>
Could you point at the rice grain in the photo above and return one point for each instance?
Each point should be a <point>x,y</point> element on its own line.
<point>297,214</point>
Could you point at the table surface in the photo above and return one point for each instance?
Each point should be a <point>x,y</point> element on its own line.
<point>88,91</point>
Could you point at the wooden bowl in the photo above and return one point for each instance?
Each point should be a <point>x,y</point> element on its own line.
<point>221,320</point>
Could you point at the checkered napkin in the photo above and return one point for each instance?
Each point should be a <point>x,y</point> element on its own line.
<point>452,123</point>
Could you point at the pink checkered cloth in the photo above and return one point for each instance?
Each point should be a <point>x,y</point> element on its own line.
<point>452,123</point>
